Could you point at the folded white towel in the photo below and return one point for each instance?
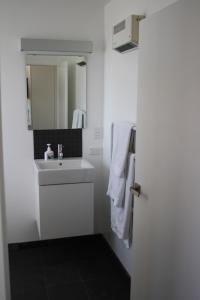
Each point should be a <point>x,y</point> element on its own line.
<point>120,139</point>
<point>121,217</point>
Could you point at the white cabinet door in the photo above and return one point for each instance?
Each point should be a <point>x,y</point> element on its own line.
<point>167,215</point>
<point>66,210</point>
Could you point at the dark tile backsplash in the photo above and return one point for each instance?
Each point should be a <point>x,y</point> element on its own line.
<point>71,139</point>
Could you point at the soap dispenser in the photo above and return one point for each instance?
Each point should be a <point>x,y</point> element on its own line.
<point>49,154</point>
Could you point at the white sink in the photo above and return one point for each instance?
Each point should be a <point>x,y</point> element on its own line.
<point>70,170</point>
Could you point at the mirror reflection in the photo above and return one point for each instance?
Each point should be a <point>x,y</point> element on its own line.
<point>56,91</point>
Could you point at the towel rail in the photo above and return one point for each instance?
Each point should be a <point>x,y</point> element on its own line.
<point>132,141</point>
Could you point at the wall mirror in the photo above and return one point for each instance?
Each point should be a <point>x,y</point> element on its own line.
<point>56,91</point>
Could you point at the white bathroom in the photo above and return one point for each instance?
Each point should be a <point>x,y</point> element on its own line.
<point>99,149</point>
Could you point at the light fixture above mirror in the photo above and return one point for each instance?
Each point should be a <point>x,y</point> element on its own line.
<point>39,46</point>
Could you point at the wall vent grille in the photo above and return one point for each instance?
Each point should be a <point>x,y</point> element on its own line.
<point>119,27</point>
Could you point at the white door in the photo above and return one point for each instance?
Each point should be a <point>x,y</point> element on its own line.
<point>167,215</point>
<point>81,84</point>
<point>43,96</point>
<point>62,96</point>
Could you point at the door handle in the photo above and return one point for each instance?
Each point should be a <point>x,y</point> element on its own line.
<point>136,189</point>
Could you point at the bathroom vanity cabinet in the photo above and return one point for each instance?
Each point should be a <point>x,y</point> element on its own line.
<point>64,209</point>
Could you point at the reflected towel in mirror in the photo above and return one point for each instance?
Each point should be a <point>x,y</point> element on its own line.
<point>79,119</point>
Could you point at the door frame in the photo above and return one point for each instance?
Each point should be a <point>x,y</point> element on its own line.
<point>4,263</point>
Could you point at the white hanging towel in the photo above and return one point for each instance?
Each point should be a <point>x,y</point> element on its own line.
<point>121,140</point>
<point>84,119</point>
<point>79,119</point>
<point>29,112</point>
<point>121,217</point>
<point>116,189</point>
<point>121,133</point>
<point>75,119</point>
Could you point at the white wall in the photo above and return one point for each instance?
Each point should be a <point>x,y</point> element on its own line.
<point>120,104</point>
<point>69,19</point>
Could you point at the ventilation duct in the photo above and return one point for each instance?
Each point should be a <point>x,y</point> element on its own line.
<point>126,34</point>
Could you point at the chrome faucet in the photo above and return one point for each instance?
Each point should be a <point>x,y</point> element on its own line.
<point>60,153</point>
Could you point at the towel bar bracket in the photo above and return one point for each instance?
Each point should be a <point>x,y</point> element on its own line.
<point>136,189</point>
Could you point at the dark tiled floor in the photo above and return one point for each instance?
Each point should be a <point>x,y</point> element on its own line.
<point>81,268</point>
